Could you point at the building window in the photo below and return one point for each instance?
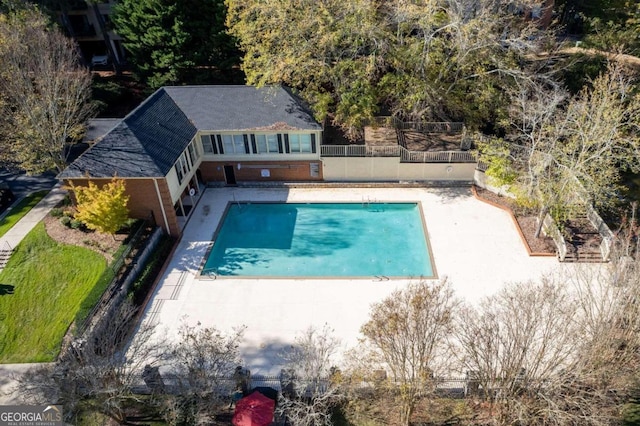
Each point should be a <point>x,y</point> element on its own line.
<point>239,146</point>
<point>234,144</point>
<point>179,172</point>
<point>182,167</point>
<point>272,143</point>
<point>192,153</point>
<point>207,145</point>
<point>300,143</point>
<point>266,144</point>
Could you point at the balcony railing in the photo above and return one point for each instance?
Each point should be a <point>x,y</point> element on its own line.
<point>359,151</point>
<point>438,156</point>
<point>405,155</point>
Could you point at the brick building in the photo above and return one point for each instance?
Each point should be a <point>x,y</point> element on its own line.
<point>180,138</point>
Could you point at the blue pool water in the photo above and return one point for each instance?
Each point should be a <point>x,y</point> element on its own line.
<point>321,240</point>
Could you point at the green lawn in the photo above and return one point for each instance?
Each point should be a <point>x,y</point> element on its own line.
<point>41,289</point>
<point>20,210</point>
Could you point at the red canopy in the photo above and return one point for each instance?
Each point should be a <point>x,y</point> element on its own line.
<point>254,410</point>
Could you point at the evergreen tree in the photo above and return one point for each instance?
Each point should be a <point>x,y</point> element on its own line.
<point>175,42</point>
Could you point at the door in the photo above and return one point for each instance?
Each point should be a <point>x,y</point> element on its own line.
<point>229,175</point>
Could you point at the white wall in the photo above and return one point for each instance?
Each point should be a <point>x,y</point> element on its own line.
<point>391,169</point>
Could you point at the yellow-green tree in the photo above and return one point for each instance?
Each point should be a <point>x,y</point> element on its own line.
<point>104,208</point>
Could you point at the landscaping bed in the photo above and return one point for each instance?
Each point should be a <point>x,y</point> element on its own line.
<point>104,244</point>
<point>525,220</point>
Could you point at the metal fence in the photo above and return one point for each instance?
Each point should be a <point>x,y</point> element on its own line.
<point>114,285</point>
<point>441,387</point>
<point>359,151</point>
<point>437,156</point>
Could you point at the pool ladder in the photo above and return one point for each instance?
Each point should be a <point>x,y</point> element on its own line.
<point>367,202</point>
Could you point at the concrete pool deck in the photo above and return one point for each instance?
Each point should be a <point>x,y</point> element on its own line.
<point>475,245</point>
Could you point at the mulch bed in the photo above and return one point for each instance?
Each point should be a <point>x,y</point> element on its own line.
<point>104,244</point>
<point>526,221</point>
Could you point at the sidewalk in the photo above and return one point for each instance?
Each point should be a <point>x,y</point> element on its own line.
<point>12,238</point>
<point>9,241</point>
<point>8,381</point>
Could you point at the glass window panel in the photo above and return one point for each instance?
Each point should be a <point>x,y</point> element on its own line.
<point>305,143</point>
<point>178,172</point>
<point>272,141</point>
<point>294,143</point>
<point>238,143</point>
<point>227,142</point>
<point>184,163</point>
<point>261,144</point>
<point>192,153</point>
<point>207,145</point>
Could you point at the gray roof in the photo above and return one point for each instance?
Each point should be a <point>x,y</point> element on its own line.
<point>98,127</point>
<point>222,108</point>
<point>148,141</point>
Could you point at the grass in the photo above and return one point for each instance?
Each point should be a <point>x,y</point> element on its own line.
<point>44,284</point>
<point>21,209</point>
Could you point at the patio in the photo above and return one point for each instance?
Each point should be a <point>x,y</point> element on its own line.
<point>475,245</point>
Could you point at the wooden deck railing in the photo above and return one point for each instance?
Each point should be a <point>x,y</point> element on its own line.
<point>418,126</point>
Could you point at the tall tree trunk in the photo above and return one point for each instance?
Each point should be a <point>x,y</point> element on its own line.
<point>541,216</point>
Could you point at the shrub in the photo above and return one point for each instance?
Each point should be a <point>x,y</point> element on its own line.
<point>102,208</point>
<point>65,220</point>
<point>75,224</point>
<point>57,212</point>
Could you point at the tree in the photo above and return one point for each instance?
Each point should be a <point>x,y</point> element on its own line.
<point>201,363</point>
<point>45,89</point>
<point>97,374</point>
<point>172,42</point>
<point>410,331</point>
<point>517,345</point>
<point>422,60</point>
<point>569,151</point>
<point>330,50</point>
<point>563,351</point>
<point>102,208</point>
<point>310,386</point>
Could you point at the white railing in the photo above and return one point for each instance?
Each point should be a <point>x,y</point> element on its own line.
<point>437,156</point>
<point>359,151</point>
<point>603,230</point>
<point>405,155</point>
<point>552,231</point>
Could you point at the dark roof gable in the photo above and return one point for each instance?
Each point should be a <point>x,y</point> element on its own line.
<point>146,143</point>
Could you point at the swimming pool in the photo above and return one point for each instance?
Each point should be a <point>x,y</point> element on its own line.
<point>321,240</point>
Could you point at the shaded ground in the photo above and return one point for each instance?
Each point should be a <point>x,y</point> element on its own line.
<point>116,96</point>
<point>526,221</point>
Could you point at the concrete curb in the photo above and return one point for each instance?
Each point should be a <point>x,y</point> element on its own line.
<point>515,222</point>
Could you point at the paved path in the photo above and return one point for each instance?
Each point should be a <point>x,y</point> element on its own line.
<point>12,238</point>
<point>9,372</point>
<point>8,382</point>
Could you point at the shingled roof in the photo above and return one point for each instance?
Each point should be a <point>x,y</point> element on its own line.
<point>224,108</point>
<point>148,141</point>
